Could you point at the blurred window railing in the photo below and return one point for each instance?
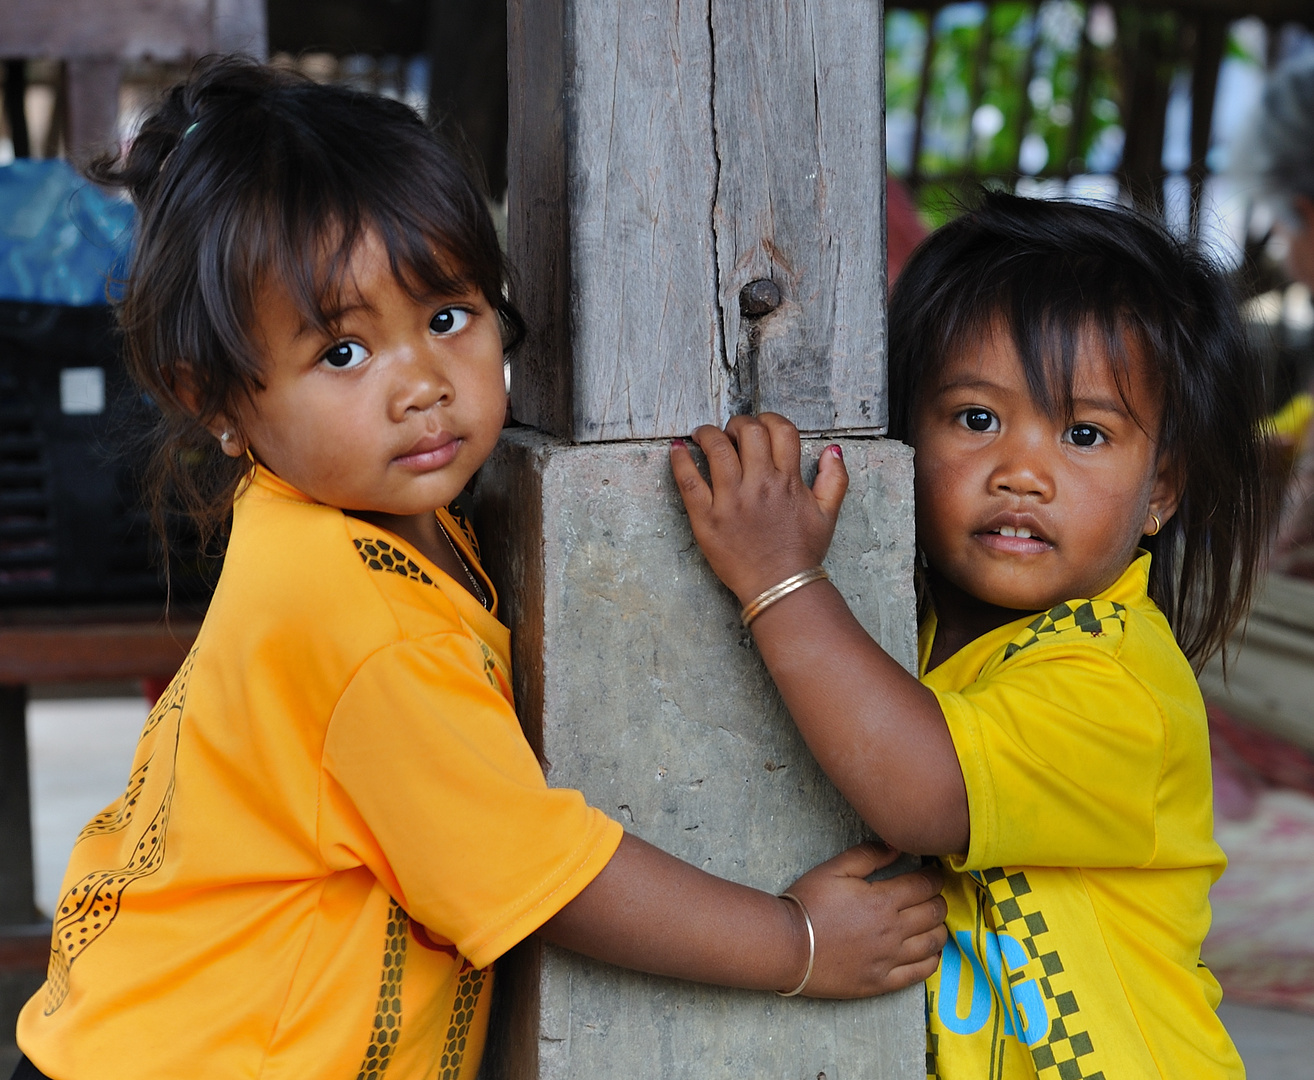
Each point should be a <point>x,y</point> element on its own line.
<point>1128,101</point>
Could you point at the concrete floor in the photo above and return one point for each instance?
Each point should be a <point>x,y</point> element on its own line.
<point>80,755</point>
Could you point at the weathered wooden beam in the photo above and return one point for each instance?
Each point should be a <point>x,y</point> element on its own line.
<point>91,97</point>
<point>130,29</point>
<point>239,26</point>
<point>633,677</point>
<point>798,112</point>
<point>747,147</point>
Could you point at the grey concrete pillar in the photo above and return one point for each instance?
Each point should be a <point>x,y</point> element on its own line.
<point>636,680</point>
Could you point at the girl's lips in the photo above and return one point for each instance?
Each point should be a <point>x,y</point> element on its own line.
<point>431,452</point>
<point>1014,545</point>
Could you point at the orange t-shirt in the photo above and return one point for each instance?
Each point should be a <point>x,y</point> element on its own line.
<point>333,827</point>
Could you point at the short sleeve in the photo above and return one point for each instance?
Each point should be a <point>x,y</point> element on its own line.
<point>430,782</point>
<point>1062,751</point>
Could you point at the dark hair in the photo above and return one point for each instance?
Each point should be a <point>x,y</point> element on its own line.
<point>1053,272</point>
<point>245,174</point>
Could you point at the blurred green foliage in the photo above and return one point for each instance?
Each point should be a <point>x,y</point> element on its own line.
<point>1006,97</point>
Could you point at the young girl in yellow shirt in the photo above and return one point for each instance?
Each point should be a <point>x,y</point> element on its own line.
<point>1089,483</point>
<point>334,825</point>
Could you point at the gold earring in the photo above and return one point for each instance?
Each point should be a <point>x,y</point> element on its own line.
<point>1157,525</point>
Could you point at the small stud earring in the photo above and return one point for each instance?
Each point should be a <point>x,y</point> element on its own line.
<point>1157,526</point>
<point>225,436</point>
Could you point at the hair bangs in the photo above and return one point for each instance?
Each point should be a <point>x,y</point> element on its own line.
<point>1059,312</point>
<point>318,203</point>
<point>1053,316</point>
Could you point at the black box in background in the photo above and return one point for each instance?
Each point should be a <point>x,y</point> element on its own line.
<point>72,527</point>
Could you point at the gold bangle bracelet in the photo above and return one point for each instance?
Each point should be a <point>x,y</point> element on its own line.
<point>764,600</point>
<point>812,947</point>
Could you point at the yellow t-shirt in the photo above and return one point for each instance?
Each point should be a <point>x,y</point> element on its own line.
<point>333,827</point>
<point>1290,424</point>
<point>1076,917</point>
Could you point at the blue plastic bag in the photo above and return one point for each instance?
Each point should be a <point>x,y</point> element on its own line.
<point>61,238</point>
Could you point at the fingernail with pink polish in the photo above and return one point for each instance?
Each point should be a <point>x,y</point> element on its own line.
<point>836,451</point>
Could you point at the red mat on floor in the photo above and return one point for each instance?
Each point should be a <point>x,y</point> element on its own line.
<point>1261,946</point>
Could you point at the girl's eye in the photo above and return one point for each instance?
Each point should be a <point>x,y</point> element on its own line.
<point>345,354</point>
<point>1085,435</point>
<point>979,420</point>
<point>449,320</point>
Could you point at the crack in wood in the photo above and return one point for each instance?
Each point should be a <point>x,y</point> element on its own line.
<point>720,348</point>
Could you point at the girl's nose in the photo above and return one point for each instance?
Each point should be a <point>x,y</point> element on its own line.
<point>1022,470</point>
<point>420,383</point>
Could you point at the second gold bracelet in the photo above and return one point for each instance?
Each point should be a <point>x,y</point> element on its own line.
<point>765,599</point>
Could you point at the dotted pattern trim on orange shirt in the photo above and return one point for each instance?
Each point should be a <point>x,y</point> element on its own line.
<point>388,1012</point>
<point>119,814</point>
<point>468,989</point>
<point>378,554</point>
<point>90,907</point>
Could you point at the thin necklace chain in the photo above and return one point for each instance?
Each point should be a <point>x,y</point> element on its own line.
<point>479,593</point>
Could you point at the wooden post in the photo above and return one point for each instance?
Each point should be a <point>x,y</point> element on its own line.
<point>666,156</point>
<point>696,204</point>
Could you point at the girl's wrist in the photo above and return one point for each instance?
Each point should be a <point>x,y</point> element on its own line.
<point>773,594</point>
<point>805,935</point>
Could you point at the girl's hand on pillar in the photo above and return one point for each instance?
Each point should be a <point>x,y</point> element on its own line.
<point>757,522</point>
<point>871,936</point>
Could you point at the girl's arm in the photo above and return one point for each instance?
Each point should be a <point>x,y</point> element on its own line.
<point>649,911</point>
<point>875,730</point>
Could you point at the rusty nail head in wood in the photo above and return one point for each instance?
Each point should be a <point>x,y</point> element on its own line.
<point>760,297</point>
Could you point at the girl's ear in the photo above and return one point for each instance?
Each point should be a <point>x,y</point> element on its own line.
<point>1165,495</point>
<point>230,440</point>
<point>219,425</point>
